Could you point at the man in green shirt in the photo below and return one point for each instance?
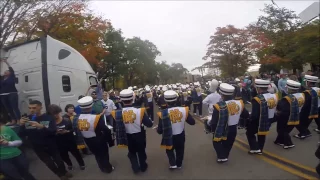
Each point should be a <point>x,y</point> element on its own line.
<point>13,163</point>
<point>98,106</point>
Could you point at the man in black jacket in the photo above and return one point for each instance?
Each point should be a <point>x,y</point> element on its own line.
<point>41,131</point>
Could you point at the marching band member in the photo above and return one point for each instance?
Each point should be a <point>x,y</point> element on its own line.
<point>310,109</point>
<point>130,132</point>
<point>225,117</point>
<point>171,126</point>
<point>189,102</point>
<point>212,98</point>
<point>288,110</point>
<point>135,88</point>
<point>154,93</point>
<point>263,111</point>
<point>95,133</point>
<point>161,102</point>
<point>197,100</point>
<point>183,96</point>
<point>148,101</point>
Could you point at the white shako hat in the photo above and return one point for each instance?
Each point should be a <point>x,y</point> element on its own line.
<point>147,89</point>
<point>183,87</point>
<point>261,83</point>
<point>293,85</point>
<point>226,89</point>
<point>126,94</point>
<point>85,102</point>
<point>130,88</point>
<point>170,96</point>
<point>164,88</point>
<point>311,78</point>
<point>237,80</point>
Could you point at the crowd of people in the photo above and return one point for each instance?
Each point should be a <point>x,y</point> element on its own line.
<point>102,119</point>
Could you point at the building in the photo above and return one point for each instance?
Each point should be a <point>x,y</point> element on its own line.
<point>310,13</point>
<point>188,78</point>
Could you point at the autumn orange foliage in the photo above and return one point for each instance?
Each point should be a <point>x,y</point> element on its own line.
<point>77,28</point>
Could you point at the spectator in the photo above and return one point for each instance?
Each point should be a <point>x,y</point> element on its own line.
<point>41,131</point>
<point>98,106</point>
<point>9,95</point>
<point>301,79</point>
<point>247,89</point>
<point>109,107</point>
<point>282,85</point>
<point>96,88</point>
<point>114,96</point>
<point>294,78</point>
<point>70,114</point>
<point>65,139</point>
<point>13,163</point>
<point>272,87</point>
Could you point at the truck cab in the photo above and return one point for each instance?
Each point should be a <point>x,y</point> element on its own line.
<point>50,71</point>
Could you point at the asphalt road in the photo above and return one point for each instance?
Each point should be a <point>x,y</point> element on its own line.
<point>200,160</point>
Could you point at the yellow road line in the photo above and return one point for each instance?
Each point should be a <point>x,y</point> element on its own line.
<point>282,159</point>
<point>275,156</point>
<point>277,164</point>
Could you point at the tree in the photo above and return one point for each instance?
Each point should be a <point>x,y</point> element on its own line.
<point>69,21</point>
<point>176,71</point>
<point>12,13</point>
<point>306,43</point>
<point>279,25</point>
<point>113,65</point>
<point>140,61</point>
<point>231,50</point>
<point>163,71</point>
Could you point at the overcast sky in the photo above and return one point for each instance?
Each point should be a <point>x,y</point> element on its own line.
<point>181,29</point>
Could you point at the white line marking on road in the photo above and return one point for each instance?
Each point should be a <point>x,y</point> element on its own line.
<point>155,127</point>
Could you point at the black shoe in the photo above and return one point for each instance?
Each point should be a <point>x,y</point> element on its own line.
<point>299,136</point>
<point>173,167</point>
<point>279,144</point>
<point>70,168</point>
<point>289,146</point>
<point>308,135</point>
<point>108,171</point>
<point>222,160</point>
<point>144,169</point>
<point>82,167</point>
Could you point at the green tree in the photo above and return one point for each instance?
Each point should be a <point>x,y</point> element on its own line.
<point>162,69</point>
<point>176,71</point>
<point>306,43</point>
<point>279,25</point>
<point>113,64</point>
<point>231,50</point>
<point>140,61</point>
